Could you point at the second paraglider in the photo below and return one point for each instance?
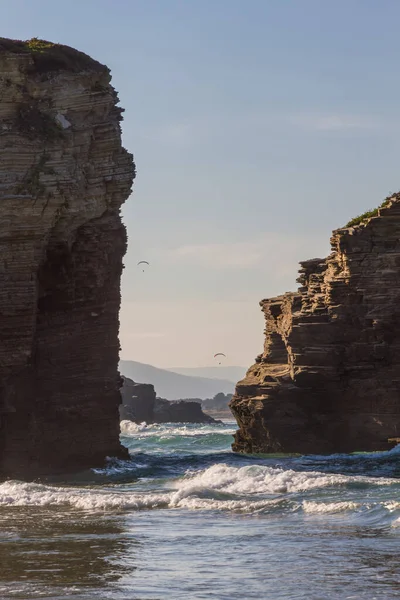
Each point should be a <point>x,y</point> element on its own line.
<point>219,356</point>
<point>141,264</point>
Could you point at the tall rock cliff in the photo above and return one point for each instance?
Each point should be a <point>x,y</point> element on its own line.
<point>63,178</point>
<point>329,377</point>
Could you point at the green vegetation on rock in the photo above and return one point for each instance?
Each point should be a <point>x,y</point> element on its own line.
<point>36,45</point>
<point>368,214</point>
<point>48,56</point>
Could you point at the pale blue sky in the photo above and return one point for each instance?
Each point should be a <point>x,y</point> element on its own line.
<point>257,126</point>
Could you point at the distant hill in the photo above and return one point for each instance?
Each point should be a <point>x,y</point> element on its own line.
<point>233,374</point>
<point>174,386</point>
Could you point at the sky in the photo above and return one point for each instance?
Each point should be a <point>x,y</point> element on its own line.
<point>257,126</point>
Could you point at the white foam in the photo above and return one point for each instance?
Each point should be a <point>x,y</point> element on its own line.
<point>329,507</point>
<point>257,479</point>
<point>31,494</point>
<point>196,503</point>
<point>168,430</point>
<point>131,428</point>
<point>246,488</point>
<point>392,505</point>
<point>28,494</point>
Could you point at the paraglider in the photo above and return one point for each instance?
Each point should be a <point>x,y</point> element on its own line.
<point>219,354</point>
<point>143,262</point>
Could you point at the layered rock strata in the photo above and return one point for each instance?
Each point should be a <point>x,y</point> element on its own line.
<point>63,178</point>
<point>328,379</point>
<point>140,404</point>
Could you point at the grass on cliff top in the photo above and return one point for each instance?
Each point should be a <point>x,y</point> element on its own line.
<point>48,56</point>
<point>371,213</point>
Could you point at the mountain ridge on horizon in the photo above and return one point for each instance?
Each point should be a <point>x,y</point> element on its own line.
<point>175,386</point>
<point>228,372</point>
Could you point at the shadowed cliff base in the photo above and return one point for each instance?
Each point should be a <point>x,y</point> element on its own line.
<point>63,177</point>
<point>328,379</point>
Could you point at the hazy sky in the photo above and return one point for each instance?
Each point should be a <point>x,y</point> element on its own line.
<point>257,126</point>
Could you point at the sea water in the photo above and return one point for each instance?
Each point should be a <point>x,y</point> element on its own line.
<point>186,518</point>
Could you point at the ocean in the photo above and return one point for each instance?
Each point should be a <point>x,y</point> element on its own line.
<point>186,518</point>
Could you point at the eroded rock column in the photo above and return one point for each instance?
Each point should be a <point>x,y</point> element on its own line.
<point>63,177</point>
<point>329,377</point>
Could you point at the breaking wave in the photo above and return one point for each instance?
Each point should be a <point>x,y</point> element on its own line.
<point>183,493</point>
<point>220,487</point>
<point>170,430</point>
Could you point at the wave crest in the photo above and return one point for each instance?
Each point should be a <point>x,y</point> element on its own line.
<point>219,487</point>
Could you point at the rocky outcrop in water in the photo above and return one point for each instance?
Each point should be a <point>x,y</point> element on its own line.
<point>218,406</point>
<point>63,178</point>
<point>328,379</point>
<point>138,400</point>
<point>139,404</point>
<point>180,411</point>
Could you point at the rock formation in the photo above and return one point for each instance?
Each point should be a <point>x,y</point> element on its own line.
<point>180,411</point>
<point>138,400</point>
<point>329,377</point>
<point>139,404</point>
<point>218,406</point>
<point>63,178</point>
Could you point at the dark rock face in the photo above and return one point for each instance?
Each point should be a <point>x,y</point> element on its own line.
<point>180,411</point>
<point>138,400</point>
<point>63,178</point>
<point>329,377</point>
<point>139,404</point>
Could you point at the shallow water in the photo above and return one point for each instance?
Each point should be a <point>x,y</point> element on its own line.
<point>187,519</point>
